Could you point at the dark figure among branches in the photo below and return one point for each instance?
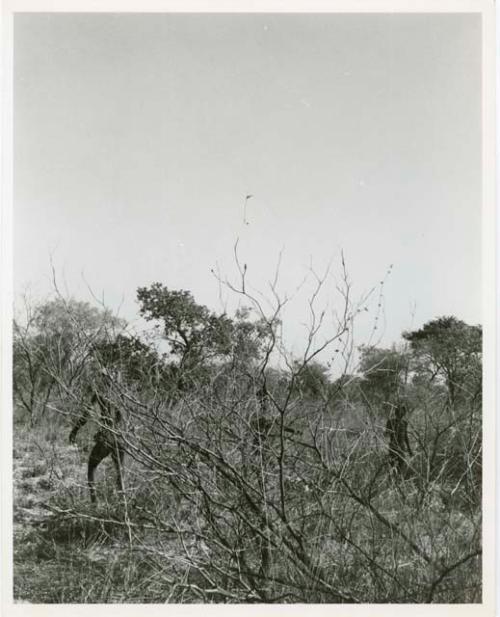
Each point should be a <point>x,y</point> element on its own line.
<point>397,433</point>
<point>107,440</point>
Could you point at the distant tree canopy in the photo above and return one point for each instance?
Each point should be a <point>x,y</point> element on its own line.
<point>449,349</point>
<point>197,336</point>
<point>192,331</point>
<point>52,346</point>
<point>59,341</point>
<point>63,329</point>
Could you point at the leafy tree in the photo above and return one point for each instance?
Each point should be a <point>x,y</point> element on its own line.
<point>191,330</point>
<point>199,337</point>
<point>51,347</point>
<point>449,349</point>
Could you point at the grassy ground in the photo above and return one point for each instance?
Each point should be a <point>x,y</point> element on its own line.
<point>67,550</point>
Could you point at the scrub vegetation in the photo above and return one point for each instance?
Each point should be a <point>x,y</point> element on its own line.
<point>344,474</point>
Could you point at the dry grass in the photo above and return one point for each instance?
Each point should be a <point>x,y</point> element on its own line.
<point>129,549</point>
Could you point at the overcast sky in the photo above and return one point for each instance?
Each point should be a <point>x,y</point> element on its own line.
<point>137,138</point>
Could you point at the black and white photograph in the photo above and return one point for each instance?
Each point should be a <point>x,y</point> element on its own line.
<point>249,254</point>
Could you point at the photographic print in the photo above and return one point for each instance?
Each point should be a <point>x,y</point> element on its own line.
<point>248,309</point>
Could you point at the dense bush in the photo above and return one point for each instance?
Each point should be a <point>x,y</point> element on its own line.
<point>251,475</point>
